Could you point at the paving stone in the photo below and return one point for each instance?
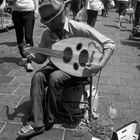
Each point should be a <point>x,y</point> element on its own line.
<point>107,89</point>
<point>10,100</point>
<point>135,101</point>
<point>10,131</point>
<point>24,80</point>
<point>2,124</point>
<point>113,80</point>
<point>17,72</point>
<point>70,135</point>
<point>5,79</point>
<point>129,91</point>
<point>133,83</point>
<point>53,134</point>
<point>124,116</point>
<point>23,90</point>
<point>122,100</point>
<point>6,89</point>
<point>119,82</point>
<point>4,72</point>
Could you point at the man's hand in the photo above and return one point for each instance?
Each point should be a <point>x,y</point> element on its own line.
<point>36,14</point>
<point>93,68</point>
<point>29,55</point>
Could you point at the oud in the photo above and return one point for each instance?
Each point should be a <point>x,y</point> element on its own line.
<point>71,55</point>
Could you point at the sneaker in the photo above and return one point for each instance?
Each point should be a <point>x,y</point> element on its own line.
<point>95,115</point>
<point>29,67</point>
<point>22,62</point>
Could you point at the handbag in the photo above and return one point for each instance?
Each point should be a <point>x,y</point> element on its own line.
<point>96,5</point>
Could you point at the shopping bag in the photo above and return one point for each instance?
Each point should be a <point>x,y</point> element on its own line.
<point>96,5</point>
<point>81,15</point>
<point>112,3</point>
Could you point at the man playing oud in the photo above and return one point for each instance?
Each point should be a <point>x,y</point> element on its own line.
<point>58,27</point>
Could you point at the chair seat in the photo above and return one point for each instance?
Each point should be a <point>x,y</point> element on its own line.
<point>77,83</point>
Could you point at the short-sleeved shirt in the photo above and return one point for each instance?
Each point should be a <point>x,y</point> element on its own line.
<point>75,29</point>
<point>23,5</point>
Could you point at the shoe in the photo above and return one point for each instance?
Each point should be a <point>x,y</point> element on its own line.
<point>29,131</point>
<point>48,126</point>
<point>119,26</point>
<point>29,67</point>
<point>22,62</point>
<point>95,115</point>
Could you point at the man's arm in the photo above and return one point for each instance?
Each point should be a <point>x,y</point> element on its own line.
<point>96,67</point>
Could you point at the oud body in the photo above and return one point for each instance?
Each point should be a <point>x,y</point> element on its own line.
<point>71,55</point>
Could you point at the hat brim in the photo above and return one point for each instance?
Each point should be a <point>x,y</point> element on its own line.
<point>61,10</point>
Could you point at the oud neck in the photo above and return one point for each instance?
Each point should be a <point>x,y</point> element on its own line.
<point>48,52</point>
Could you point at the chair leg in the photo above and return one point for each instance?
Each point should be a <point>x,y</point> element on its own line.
<point>90,100</point>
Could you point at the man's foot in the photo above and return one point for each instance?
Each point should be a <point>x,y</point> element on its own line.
<point>120,26</point>
<point>28,131</point>
<point>48,126</point>
<point>29,67</point>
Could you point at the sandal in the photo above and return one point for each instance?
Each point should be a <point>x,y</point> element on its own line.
<point>28,130</point>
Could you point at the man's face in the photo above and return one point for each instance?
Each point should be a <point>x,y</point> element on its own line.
<point>56,24</point>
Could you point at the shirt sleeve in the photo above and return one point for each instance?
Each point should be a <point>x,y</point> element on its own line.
<point>104,40</point>
<point>44,43</point>
<point>84,30</point>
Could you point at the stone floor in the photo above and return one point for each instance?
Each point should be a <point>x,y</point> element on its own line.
<point>119,83</point>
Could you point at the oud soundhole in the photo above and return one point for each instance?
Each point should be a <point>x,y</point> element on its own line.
<point>75,66</point>
<point>79,47</point>
<point>83,58</point>
<point>67,55</point>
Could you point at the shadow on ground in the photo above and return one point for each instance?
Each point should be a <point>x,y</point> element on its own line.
<point>10,60</point>
<point>21,109</point>
<point>131,43</point>
<point>113,26</point>
<point>10,44</point>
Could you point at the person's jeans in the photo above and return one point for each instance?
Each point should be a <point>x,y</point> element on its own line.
<point>24,25</point>
<point>137,14</point>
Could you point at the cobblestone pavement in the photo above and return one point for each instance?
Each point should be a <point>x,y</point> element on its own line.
<point>119,83</point>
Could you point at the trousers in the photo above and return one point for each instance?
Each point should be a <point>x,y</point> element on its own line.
<point>24,25</point>
<point>44,105</point>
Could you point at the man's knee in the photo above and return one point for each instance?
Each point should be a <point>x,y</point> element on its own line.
<point>56,76</point>
<point>38,76</point>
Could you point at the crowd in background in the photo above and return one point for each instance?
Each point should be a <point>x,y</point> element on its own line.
<point>24,14</point>
<point>129,8</point>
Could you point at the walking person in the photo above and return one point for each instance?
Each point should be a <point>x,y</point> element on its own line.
<point>92,11</point>
<point>45,105</point>
<point>75,7</point>
<point>24,14</point>
<point>137,14</point>
<point>122,5</point>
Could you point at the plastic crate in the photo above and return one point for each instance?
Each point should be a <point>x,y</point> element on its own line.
<point>127,132</point>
